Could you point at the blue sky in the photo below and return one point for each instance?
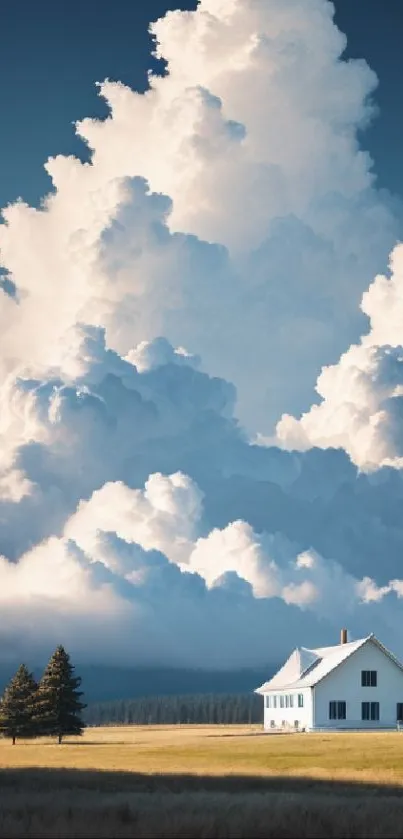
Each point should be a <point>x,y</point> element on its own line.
<point>52,54</point>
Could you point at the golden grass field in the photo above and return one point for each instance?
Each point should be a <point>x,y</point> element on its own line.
<point>191,781</point>
<point>218,750</point>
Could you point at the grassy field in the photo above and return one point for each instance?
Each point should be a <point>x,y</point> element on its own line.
<point>203,782</point>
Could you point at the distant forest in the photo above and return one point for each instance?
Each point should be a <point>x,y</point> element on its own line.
<point>103,683</point>
<point>204,709</point>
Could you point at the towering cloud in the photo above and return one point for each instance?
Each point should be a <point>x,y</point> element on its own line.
<point>362,396</point>
<point>276,179</point>
<point>224,230</point>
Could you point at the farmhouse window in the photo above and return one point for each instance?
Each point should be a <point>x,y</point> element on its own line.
<point>370,711</point>
<point>337,710</point>
<point>369,678</point>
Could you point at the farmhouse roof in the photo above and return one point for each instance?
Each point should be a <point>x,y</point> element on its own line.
<point>305,668</point>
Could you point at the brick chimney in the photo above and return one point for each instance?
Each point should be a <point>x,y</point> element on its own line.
<point>343,636</point>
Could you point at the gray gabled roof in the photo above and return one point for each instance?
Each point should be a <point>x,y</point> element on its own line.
<point>305,668</point>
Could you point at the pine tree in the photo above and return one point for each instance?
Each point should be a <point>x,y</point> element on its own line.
<point>17,706</point>
<point>59,706</point>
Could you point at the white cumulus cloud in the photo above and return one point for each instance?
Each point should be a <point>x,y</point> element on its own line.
<point>361,408</point>
<point>169,300</point>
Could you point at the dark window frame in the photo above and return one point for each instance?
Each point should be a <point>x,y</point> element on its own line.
<point>337,709</point>
<point>369,678</point>
<point>370,711</point>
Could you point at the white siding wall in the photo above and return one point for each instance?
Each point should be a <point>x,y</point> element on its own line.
<point>344,684</point>
<point>289,715</point>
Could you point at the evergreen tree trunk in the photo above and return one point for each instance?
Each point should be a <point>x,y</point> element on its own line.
<point>60,738</point>
<point>13,739</point>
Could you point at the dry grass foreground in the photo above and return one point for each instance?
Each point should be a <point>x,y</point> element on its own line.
<point>203,782</point>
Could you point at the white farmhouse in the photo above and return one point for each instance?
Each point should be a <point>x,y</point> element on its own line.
<point>354,685</point>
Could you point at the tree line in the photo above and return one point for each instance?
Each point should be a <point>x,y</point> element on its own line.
<point>203,709</point>
<point>51,707</point>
